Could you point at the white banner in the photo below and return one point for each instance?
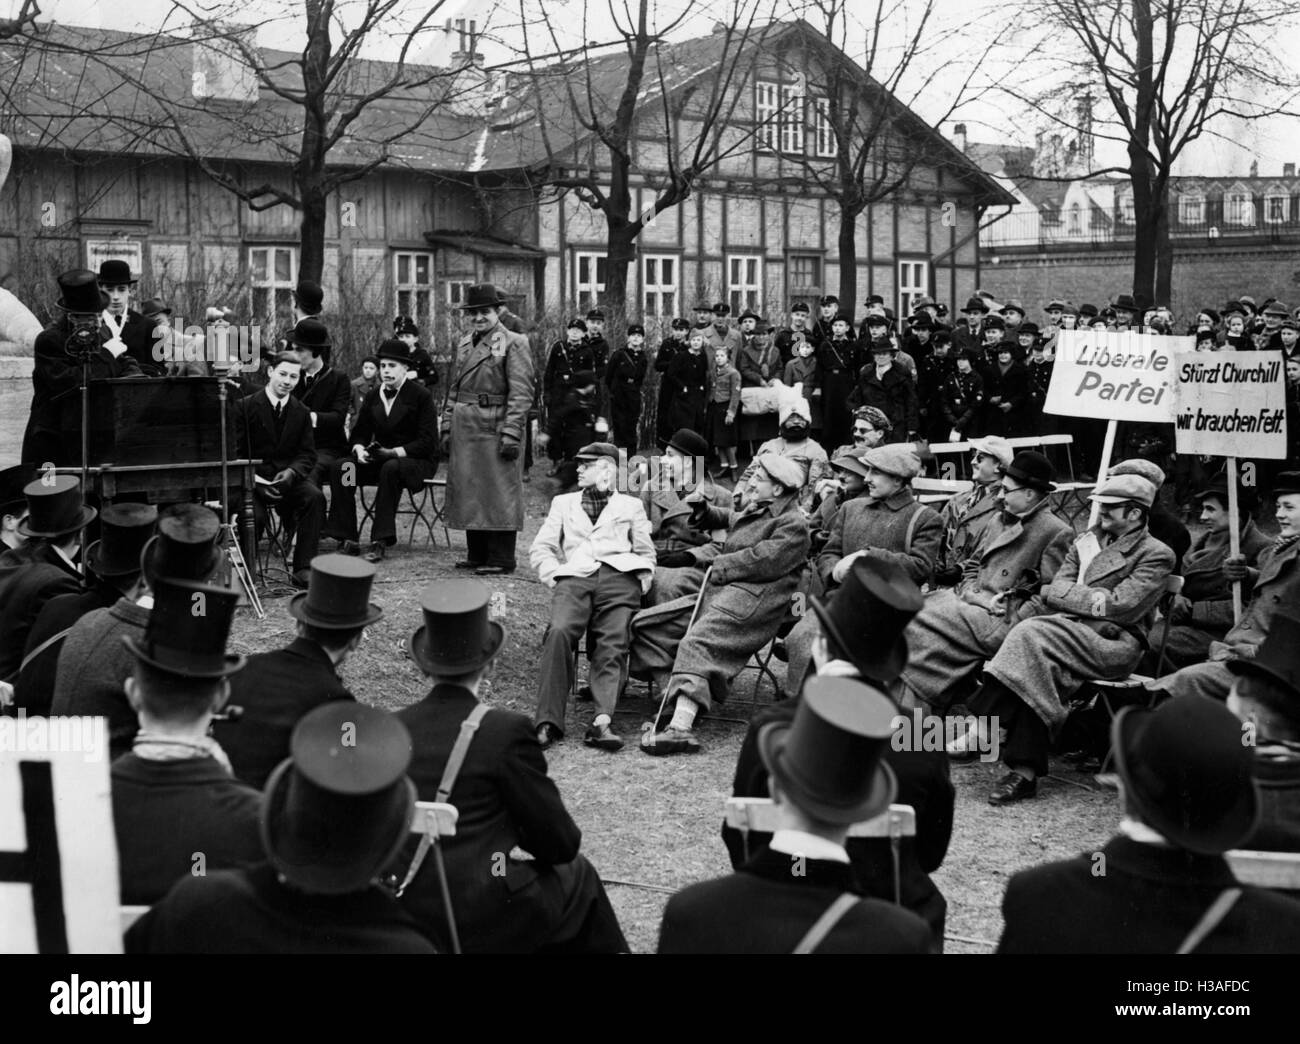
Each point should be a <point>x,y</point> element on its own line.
<point>1114,376</point>
<point>1231,404</point>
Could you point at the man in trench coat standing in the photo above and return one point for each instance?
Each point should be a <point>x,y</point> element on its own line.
<point>483,425</point>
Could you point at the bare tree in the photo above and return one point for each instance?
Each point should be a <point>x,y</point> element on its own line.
<point>639,110</point>
<point>25,17</point>
<point>1167,71</point>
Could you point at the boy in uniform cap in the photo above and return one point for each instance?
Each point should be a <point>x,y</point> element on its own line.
<point>333,817</point>
<point>1089,622</point>
<point>173,794</point>
<point>569,356</point>
<point>113,569</point>
<point>966,514</point>
<point>394,447</point>
<point>595,553</point>
<point>797,895</point>
<point>1187,798</point>
<point>93,663</point>
<point>669,348</point>
<point>828,307</point>
<point>276,689</point>
<point>599,357</point>
<point>721,334</point>
<point>695,644</point>
<point>625,377</point>
<point>961,399</point>
<point>839,358</point>
<point>487,763</point>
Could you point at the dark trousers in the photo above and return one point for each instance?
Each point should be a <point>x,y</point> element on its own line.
<point>1028,738</point>
<point>602,605</point>
<point>325,461</point>
<point>302,510</point>
<point>587,922</point>
<point>388,478</point>
<point>492,546</point>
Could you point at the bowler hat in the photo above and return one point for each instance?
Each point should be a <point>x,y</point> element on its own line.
<point>596,450</point>
<point>311,334</point>
<point>1030,468</point>
<point>338,594</point>
<point>337,811</point>
<point>457,637</point>
<point>398,351</point>
<point>1247,498</point>
<point>975,304</point>
<point>12,481</point>
<point>403,325</point>
<point>635,328</point>
<point>785,470</point>
<point>482,295</point>
<point>828,761</point>
<point>154,306</point>
<point>188,627</point>
<point>896,459</point>
<point>867,614</point>
<point>994,446</point>
<point>1276,658</point>
<point>1118,489</point>
<point>79,292</point>
<point>721,309</point>
<point>689,443</point>
<point>115,272</point>
<point>310,296</point>
<point>124,530</point>
<point>186,546</point>
<point>1125,303</point>
<point>1286,482</point>
<point>54,507</point>
<point>1187,774</point>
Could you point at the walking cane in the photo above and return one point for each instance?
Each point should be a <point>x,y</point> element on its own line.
<point>699,600</point>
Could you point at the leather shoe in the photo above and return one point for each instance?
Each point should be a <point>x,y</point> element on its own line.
<point>493,570</point>
<point>376,552</point>
<point>349,547</point>
<point>1013,787</point>
<point>301,579</point>
<point>670,741</point>
<point>547,735</point>
<point>467,564</point>
<point>602,737</point>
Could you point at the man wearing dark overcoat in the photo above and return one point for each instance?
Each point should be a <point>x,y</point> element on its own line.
<point>325,391</point>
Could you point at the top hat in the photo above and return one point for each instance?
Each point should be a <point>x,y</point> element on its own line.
<point>1187,773</point>
<point>115,272</point>
<point>689,443</point>
<point>336,813</point>
<point>635,328</point>
<point>154,306</point>
<point>54,507</point>
<point>79,292</point>
<point>1125,302</point>
<point>828,761</point>
<point>482,295</point>
<point>1275,659</point>
<point>867,614</point>
<point>721,309</point>
<point>310,296</point>
<point>595,313</point>
<point>338,594</point>
<point>800,306</point>
<point>186,547</point>
<point>975,304</point>
<point>12,481</point>
<point>404,324</point>
<point>188,627</point>
<point>1247,498</point>
<point>596,450</point>
<point>1030,468</point>
<point>311,334</point>
<point>124,530</point>
<point>398,351</point>
<point>681,324</point>
<point>457,636</point>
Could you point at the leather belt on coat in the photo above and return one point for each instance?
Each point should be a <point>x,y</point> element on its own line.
<point>483,401</point>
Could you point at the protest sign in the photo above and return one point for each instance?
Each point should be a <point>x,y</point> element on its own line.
<point>1231,404</point>
<point>1113,375</point>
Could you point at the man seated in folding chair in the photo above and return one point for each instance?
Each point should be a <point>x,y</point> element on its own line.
<point>1266,693</point>
<point>798,895</point>
<point>1089,622</point>
<point>334,817</point>
<point>862,636</point>
<point>967,514</point>
<point>694,645</point>
<point>1020,550</point>
<point>1161,885</point>
<point>1202,613</point>
<point>274,427</point>
<point>1274,586</point>
<point>595,553</point>
<point>487,763</point>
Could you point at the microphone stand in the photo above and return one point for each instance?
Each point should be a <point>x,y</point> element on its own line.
<point>85,447</point>
<point>236,553</point>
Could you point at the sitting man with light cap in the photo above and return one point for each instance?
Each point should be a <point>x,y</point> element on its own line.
<point>1161,885</point>
<point>595,553</point>
<point>695,644</point>
<point>798,895</point>
<point>1089,622</point>
<point>966,514</point>
<point>334,816</point>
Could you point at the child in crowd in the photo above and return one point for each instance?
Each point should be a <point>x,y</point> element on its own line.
<point>723,407</point>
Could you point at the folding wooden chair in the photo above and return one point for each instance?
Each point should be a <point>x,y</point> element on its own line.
<point>427,510</point>
<point>1278,871</point>
<point>433,821</point>
<point>760,814</point>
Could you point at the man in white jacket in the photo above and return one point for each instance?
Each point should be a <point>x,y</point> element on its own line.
<point>595,553</point>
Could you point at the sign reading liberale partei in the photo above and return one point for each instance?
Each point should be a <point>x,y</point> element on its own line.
<point>1231,404</point>
<point>1113,375</point>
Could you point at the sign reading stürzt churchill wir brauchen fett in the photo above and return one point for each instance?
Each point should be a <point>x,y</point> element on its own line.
<point>1231,404</point>
<point>1117,376</point>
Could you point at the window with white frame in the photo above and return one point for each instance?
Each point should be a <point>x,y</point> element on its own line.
<point>825,144</point>
<point>272,276</point>
<point>792,118</point>
<point>1277,208</point>
<point>659,277</point>
<point>744,283</point>
<point>765,114</point>
<point>413,282</point>
<point>913,284</point>
<point>588,279</point>
<point>1191,210</point>
<point>1127,210</point>
<point>1238,209</point>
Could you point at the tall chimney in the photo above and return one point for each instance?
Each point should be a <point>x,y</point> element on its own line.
<point>959,137</point>
<point>1288,170</point>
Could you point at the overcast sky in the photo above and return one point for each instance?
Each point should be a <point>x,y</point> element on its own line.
<point>957,29</point>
